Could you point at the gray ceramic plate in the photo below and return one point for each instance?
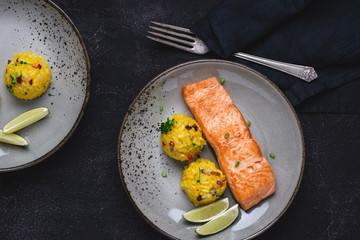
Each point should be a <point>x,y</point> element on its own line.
<point>160,200</point>
<point>40,26</point>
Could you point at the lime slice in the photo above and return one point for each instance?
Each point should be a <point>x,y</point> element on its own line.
<point>219,223</point>
<point>25,119</point>
<point>207,212</point>
<point>12,138</point>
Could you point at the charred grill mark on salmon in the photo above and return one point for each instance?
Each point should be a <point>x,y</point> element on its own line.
<point>252,179</point>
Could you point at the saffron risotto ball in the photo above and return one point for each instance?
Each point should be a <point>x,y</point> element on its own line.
<point>202,182</point>
<point>27,75</point>
<point>182,138</point>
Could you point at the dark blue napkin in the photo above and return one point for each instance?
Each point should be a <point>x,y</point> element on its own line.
<point>324,34</point>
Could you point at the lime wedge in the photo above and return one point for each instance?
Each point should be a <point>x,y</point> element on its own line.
<point>219,223</point>
<point>207,212</point>
<point>26,119</point>
<point>12,138</point>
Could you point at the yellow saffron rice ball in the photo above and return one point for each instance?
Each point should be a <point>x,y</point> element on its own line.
<point>182,139</point>
<point>27,75</point>
<point>202,182</point>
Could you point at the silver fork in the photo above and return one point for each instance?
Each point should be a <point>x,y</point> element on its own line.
<point>185,40</point>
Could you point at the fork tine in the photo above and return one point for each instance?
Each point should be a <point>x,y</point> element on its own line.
<point>172,27</point>
<point>171,38</point>
<point>170,43</point>
<point>174,33</point>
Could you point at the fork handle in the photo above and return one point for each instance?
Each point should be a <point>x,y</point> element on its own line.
<point>303,72</point>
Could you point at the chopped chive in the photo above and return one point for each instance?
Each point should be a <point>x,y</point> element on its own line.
<point>222,81</point>
<point>161,107</point>
<point>163,174</point>
<point>249,123</point>
<point>198,180</point>
<point>237,164</point>
<point>51,94</point>
<point>227,135</point>
<point>201,148</point>
<point>13,77</point>
<point>28,89</point>
<point>218,195</point>
<point>192,145</point>
<point>272,155</point>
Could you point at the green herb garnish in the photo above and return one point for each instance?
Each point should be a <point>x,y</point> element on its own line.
<point>272,155</point>
<point>166,126</point>
<point>198,180</point>
<point>218,195</point>
<point>237,164</point>
<point>201,148</point>
<point>51,94</point>
<point>21,62</point>
<point>222,81</point>
<point>163,174</point>
<point>161,107</point>
<point>192,145</point>
<point>249,123</point>
<point>13,77</point>
<point>227,135</point>
<point>9,87</point>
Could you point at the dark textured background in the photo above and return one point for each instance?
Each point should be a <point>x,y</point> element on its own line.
<point>77,192</point>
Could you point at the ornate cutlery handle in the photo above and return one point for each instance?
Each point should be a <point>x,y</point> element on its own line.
<point>303,72</point>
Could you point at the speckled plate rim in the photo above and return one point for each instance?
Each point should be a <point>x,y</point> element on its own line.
<point>86,99</point>
<point>211,61</point>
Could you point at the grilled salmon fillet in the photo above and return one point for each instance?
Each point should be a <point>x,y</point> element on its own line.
<point>252,179</point>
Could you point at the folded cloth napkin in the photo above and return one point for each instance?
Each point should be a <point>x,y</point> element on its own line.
<point>324,34</point>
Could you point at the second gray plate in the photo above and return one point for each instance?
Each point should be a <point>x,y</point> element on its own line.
<point>274,125</point>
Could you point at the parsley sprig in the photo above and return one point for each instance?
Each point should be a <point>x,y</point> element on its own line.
<point>166,126</point>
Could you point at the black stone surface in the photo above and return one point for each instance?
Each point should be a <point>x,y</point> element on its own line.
<point>77,192</point>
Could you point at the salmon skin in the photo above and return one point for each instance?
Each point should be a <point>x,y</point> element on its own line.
<point>252,179</point>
